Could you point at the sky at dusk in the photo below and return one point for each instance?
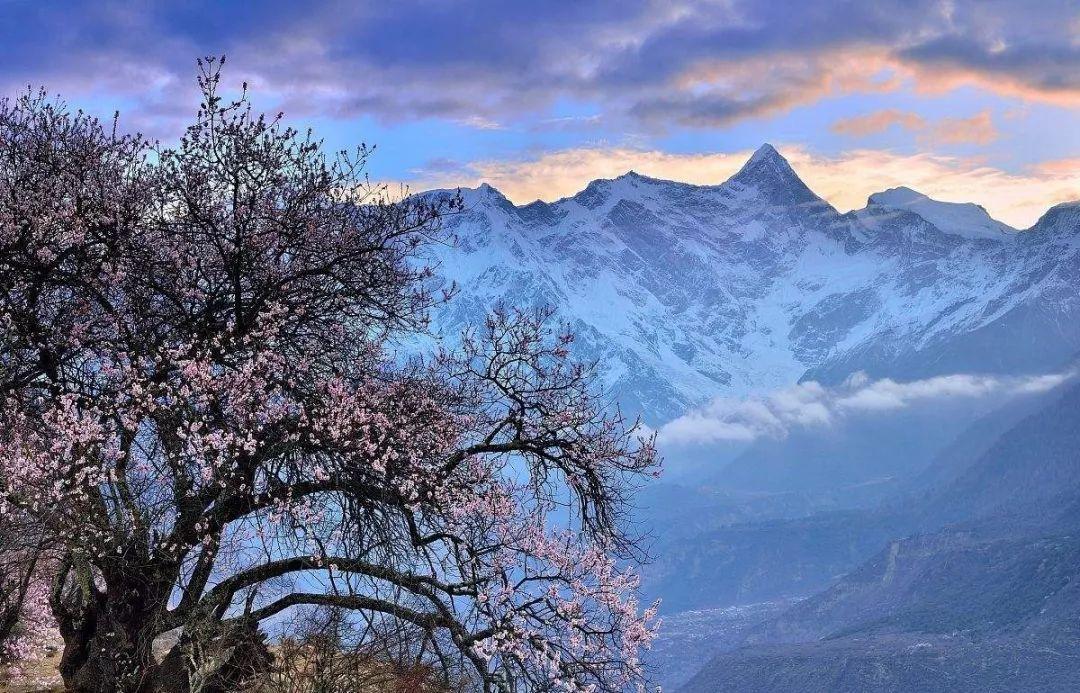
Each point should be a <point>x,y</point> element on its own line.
<point>964,101</point>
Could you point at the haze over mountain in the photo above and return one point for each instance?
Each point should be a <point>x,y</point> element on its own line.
<point>977,589</point>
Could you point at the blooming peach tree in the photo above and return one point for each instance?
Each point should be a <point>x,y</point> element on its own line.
<point>206,418</point>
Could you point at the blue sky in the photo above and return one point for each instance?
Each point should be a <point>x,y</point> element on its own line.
<point>963,100</point>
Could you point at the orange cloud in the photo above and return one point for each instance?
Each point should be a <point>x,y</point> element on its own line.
<point>737,88</point>
<point>978,129</point>
<point>939,79</point>
<point>877,122</point>
<point>716,92</point>
<point>1058,168</point>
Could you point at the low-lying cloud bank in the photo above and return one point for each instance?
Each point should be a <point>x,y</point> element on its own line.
<point>811,404</point>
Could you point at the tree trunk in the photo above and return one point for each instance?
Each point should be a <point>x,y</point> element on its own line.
<point>108,644</point>
<point>109,639</point>
<point>110,650</point>
<point>214,657</point>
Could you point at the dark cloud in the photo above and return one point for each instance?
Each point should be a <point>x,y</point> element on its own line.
<point>444,166</point>
<point>654,61</point>
<point>1046,68</point>
<point>709,110</point>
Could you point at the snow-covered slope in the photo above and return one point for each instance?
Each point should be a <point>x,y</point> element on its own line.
<point>962,219</point>
<point>683,292</point>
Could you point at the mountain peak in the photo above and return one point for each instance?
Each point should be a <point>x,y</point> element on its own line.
<point>488,192</point>
<point>1062,218</point>
<point>896,197</point>
<point>486,195</point>
<point>770,174</point>
<point>964,219</point>
<point>764,153</point>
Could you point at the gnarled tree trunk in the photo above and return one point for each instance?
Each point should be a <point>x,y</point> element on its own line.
<point>109,648</point>
<point>108,642</point>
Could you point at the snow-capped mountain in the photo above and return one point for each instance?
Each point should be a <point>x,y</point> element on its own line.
<point>683,292</point>
<point>962,219</point>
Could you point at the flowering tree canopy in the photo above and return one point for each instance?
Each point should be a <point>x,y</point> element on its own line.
<point>202,419</point>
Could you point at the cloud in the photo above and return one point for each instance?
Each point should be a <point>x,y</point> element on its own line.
<point>567,123</point>
<point>1057,168</point>
<point>653,62</point>
<point>886,394</point>
<point>978,129</point>
<point>720,92</point>
<point>878,122</point>
<point>810,404</point>
<point>845,180</point>
<point>481,123</point>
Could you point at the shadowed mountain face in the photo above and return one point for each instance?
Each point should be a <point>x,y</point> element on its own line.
<point>682,293</point>
<point>980,589</point>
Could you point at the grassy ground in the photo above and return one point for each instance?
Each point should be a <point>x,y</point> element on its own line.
<point>41,677</point>
<point>38,677</point>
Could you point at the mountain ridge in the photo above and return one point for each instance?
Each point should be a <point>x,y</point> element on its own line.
<point>684,292</point>
<point>982,581</point>
<point>765,151</point>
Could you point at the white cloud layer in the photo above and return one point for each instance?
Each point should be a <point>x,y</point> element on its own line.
<point>810,404</point>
